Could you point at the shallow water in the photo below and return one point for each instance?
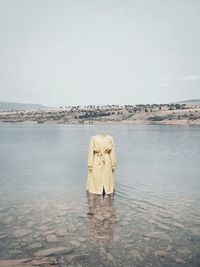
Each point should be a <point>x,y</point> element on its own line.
<point>153,219</point>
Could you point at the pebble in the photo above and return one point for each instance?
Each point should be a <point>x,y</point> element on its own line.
<point>61,232</point>
<point>21,232</point>
<point>169,247</point>
<point>44,228</point>
<point>52,238</point>
<point>185,251</point>
<point>14,252</point>
<point>109,256</point>
<point>35,245</point>
<point>161,253</point>
<point>75,243</point>
<point>30,224</point>
<point>81,239</point>
<point>135,253</point>
<point>2,236</point>
<point>12,263</point>
<point>48,232</point>
<point>8,220</point>
<point>53,251</point>
<point>179,260</point>
<point>71,258</point>
<point>158,235</point>
<point>178,225</point>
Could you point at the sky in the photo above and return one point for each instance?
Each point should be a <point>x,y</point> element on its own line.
<point>70,52</point>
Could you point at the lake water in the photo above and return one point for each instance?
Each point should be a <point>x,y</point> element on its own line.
<point>153,219</point>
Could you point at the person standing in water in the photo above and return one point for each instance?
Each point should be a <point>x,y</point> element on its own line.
<point>101,165</point>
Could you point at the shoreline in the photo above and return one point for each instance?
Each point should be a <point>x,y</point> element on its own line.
<point>135,122</point>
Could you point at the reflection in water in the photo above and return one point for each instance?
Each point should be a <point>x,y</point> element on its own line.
<point>154,219</point>
<point>102,218</point>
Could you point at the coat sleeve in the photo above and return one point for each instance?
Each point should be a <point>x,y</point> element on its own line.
<point>113,155</point>
<point>91,154</point>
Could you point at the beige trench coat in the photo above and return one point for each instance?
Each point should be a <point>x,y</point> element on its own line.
<point>101,164</point>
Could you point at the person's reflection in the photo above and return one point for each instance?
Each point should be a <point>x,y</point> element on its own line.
<point>101,218</point>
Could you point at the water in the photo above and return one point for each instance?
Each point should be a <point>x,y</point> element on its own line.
<point>153,219</point>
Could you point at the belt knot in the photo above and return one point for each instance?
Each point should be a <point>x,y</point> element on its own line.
<point>101,157</point>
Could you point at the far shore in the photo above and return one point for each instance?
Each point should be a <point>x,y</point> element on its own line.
<point>149,114</point>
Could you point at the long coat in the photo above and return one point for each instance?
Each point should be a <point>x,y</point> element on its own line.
<point>101,164</point>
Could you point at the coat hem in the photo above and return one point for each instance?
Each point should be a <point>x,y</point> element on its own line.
<point>99,193</point>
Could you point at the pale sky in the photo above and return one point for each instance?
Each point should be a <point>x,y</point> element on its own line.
<point>61,52</point>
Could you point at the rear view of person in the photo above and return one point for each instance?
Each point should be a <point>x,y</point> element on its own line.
<point>101,165</point>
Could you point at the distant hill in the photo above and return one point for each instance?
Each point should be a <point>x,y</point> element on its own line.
<point>188,102</point>
<point>20,106</point>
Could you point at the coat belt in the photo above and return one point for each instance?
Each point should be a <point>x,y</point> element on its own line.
<point>101,156</point>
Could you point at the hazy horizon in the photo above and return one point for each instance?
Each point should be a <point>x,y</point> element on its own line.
<point>31,103</point>
<point>60,53</point>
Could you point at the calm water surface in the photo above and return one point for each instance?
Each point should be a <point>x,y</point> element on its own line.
<point>153,219</point>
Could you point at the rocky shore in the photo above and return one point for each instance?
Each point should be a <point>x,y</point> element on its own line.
<point>108,114</point>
